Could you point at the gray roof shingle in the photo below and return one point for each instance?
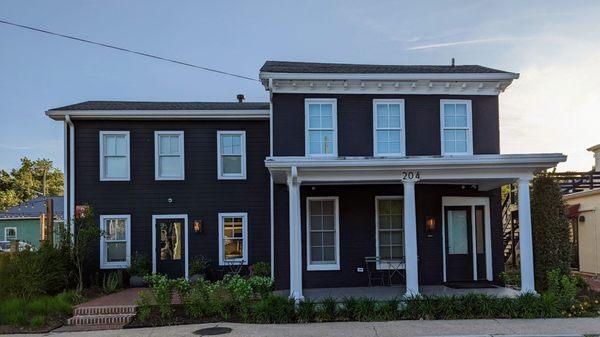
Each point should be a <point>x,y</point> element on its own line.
<point>137,105</point>
<point>34,208</point>
<point>343,68</point>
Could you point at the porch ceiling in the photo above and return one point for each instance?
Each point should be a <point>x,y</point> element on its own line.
<point>486,171</point>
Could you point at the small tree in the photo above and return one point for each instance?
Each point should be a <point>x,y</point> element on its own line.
<point>87,234</point>
<point>550,227</point>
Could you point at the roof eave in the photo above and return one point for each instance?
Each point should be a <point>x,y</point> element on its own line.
<point>503,76</point>
<point>59,115</point>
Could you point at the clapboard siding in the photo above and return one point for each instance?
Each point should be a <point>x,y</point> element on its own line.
<point>355,123</point>
<point>201,195</point>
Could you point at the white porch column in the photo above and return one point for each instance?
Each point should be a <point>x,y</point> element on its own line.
<point>295,237</point>
<point>525,240</point>
<point>410,239</point>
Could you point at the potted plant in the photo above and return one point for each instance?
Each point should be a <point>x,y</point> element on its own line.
<point>198,268</point>
<point>139,267</point>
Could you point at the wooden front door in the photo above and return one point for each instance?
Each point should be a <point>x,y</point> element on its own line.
<point>459,245</point>
<point>170,252</point>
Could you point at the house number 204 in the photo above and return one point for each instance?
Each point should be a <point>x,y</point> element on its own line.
<point>410,175</point>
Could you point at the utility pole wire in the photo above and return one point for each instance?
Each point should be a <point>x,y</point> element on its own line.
<point>128,50</point>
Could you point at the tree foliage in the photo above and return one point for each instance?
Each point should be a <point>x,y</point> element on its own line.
<point>551,246</point>
<point>33,178</point>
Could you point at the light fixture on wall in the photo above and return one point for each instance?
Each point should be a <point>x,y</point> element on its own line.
<point>198,228</point>
<point>429,226</point>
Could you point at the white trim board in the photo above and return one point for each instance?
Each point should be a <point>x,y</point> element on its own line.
<point>185,236</point>
<point>470,202</point>
<point>159,114</point>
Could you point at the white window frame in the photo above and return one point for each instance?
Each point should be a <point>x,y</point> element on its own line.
<point>104,264</point>
<point>6,235</point>
<point>310,266</point>
<point>231,176</point>
<point>333,102</point>
<point>156,154</point>
<point>244,259</point>
<point>469,127</point>
<point>402,128</point>
<point>103,176</point>
<point>383,265</point>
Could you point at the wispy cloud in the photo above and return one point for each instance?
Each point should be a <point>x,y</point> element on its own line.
<point>52,143</point>
<point>466,42</point>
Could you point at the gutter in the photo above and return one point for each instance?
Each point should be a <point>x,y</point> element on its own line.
<point>69,216</point>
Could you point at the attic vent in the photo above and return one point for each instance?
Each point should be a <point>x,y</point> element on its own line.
<point>240,98</point>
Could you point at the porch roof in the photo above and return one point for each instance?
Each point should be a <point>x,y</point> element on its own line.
<point>490,170</point>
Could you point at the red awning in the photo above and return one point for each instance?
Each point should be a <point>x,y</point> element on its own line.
<point>573,210</point>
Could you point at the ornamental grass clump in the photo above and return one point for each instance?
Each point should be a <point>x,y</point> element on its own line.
<point>274,309</point>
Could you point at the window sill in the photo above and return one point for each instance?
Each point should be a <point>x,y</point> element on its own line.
<point>322,267</point>
<point>232,177</point>
<point>114,265</point>
<point>169,179</point>
<point>232,262</point>
<point>115,179</point>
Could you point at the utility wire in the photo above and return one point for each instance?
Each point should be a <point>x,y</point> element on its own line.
<point>128,50</point>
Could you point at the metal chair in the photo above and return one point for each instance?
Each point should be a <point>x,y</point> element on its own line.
<point>373,273</point>
<point>235,267</point>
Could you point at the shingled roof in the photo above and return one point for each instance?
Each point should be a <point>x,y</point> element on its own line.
<point>344,68</point>
<point>137,105</point>
<point>34,208</point>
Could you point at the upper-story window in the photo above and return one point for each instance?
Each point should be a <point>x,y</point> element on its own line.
<point>388,127</point>
<point>168,155</point>
<point>456,127</point>
<point>321,127</point>
<point>231,154</point>
<point>114,155</point>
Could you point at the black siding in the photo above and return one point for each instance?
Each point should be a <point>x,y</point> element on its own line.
<point>201,196</point>
<point>355,123</point>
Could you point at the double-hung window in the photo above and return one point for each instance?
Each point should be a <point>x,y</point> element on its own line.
<point>321,127</point>
<point>169,155</point>
<point>231,154</point>
<point>390,230</point>
<point>115,242</point>
<point>323,235</point>
<point>233,238</point>
<point>456,127</point>
<point>10,233</point>
<point>114,155</point>
<point>388,122</point>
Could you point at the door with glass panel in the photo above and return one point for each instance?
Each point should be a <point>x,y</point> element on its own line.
<point>459,245</point>
<point>169,247</point>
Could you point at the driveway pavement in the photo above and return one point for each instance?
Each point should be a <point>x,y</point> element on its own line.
<point>522,327</point>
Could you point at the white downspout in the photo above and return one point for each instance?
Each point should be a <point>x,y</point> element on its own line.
<point>271,187</point>
<point>66,175</point>
<point>71,174</point>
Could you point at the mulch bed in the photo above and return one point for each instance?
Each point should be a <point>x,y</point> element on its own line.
<point>54,323</point>
<point>179,318</point>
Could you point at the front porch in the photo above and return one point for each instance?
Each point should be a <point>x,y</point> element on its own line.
<point>387,293</point>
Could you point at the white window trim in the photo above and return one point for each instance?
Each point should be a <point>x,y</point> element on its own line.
<point>104,264</point>
<point>183,217</point>
<point>244,259</point>
<point>323,266</point>
<point>333,101</point>
<point>102,172</point>
<point>382,265</point>
<point>402,152</point>
<point>469,126</point>
<point>6,230</point>
<point>230,176</point>
<point>156,156</point>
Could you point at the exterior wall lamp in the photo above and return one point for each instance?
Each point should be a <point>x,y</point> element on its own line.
<point>430,225</point>
<point>198,226</point>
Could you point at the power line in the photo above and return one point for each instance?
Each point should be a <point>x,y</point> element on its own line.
<point>128,50</point>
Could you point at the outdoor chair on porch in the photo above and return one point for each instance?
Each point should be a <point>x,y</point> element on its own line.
<point>374,274</point>
<point>235,267</point>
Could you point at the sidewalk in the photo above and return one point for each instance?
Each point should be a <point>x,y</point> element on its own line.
<point>524,327</point>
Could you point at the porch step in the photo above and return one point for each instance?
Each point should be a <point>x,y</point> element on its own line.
<point>105,310</point>
<point>114,319</point>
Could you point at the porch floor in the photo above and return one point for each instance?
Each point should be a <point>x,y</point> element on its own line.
<point>383,293</point>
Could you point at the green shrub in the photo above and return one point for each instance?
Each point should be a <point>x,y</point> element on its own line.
<point>307,311</point>
<point>140,265</point>
<point>274,309</point>
<point>143,303</point>
<point>348,311</point>
<point>365,309</point>
<point>328,310</point>
<point>261,285</point>
<point>220,300</point>
<point>19,312</point>
<point>418,307</point>
<point>550,229</point>
<point>38,321</point>
<point>111,282</point>
<point>196,301</point>
<point>261,269</point>
<point>199,265</point>
<point>511,278</point>
<point>388,310</point>
<point>563,286</point>
<point>163,289</point>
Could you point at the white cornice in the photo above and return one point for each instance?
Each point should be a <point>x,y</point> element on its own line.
<point>392,76</point>
<point>401,87</point>
<point>158,114</point>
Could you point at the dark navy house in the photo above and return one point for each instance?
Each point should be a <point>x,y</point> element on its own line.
<point>399,163</point>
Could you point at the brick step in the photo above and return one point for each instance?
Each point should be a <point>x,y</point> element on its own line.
<point>105,310</point>
<point>100,319</point>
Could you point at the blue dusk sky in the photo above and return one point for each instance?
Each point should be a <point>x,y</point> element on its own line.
<point>553,107</point>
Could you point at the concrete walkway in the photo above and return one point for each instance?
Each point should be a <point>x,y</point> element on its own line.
<point>523,327</point>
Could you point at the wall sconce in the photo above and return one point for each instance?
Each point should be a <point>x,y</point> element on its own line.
<point>429,226</point>
<point>198,228</point>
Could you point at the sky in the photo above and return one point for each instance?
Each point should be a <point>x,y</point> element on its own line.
<point>553,107</point>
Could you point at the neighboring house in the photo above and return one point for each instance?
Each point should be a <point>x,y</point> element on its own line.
<point>344,162</point>
<point>24,222</point>
<point>582,195</point>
